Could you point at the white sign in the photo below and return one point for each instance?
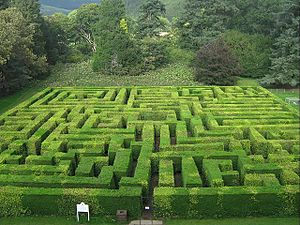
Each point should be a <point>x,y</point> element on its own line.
<point>82,208</point>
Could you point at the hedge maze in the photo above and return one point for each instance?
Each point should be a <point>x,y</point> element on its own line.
<point>199,151</point>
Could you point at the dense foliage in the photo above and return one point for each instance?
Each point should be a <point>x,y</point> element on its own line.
<point>117,53</point>
<point>253,52</point>
<point>215,64</point>
<point>149,19</point>
<point>203,21</point>
<point>56,38</point>
<point>285,52</point>
<point>263,35</point>
<point>257,27</point>
<point>18,61</point>
<point>82,26</point>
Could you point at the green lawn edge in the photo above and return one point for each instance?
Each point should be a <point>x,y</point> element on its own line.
<point>110,221</point>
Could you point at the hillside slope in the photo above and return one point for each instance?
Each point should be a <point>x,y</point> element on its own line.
<point>173,7</point>
<point>49,10</point>
<point>52,6</point>
<point>67,4</point>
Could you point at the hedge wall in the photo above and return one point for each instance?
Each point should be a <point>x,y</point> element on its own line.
<point>58,201</point>
<point>226,202</point>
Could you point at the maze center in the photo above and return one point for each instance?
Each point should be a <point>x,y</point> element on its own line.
<point>168,144</point>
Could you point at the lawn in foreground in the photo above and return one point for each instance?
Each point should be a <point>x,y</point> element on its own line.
<point>100,221</point>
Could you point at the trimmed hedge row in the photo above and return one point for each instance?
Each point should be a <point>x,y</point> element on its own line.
<point>233,150</point>
<point>226,202</point>
<point>57,201</point>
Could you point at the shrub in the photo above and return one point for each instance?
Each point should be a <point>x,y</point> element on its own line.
<point>178,55</point>
<point>216,65</point>
<point>11,202</point>
<point>253,52</point>
<point>154,53</point>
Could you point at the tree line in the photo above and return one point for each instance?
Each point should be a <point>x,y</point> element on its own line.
<point>260,37</point>
<point>229,39</point>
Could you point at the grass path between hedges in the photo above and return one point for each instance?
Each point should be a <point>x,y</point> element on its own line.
<point>100,221</point>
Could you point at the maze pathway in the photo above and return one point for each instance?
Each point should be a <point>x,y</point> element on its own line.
<point>199,151</point>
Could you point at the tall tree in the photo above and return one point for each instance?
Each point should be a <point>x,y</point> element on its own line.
<point>202,21</point>
<point>4,4</point>
<point>285,52</point>
<point>18,63</point>
<point>116,52</point>
<point>83,24</point>
<point>31,12</point>
<point>255,16</point>
<point>149,20</point>
<point>57,38</point>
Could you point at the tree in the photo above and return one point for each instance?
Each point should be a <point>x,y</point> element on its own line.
<point>149,20</point>
<point>31,12</point>
<point>4,4</point>
<point>57,40</point>
<point>285,52</point>
<point>203,21</point>
<point>83,23</point>
<point>252,51</point>
<point>255,16</point>
<point>18,63</point>
<point>216,65</point>
<point>117,52</point>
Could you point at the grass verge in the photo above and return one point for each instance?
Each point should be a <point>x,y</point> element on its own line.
<point>11,101</point>
<point>107,221</point>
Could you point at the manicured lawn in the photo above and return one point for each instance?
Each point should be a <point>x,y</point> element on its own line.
<point>238,221</point>
<point>55,221</point>
<point>9,102</point>
<point>100,221</point>
<point>285,93</point>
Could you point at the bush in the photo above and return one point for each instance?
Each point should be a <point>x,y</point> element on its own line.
<point>75,56</point>
<point>253,52</point>
<point>118,56</point>
<point>11,202</point>
<point>216,65</point>
<point>154,53</point>
<point>178,55</point>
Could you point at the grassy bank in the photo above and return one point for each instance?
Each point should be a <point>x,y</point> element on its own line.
<point>11,101</point>
<point>106,221</point>
<point>81,74</point>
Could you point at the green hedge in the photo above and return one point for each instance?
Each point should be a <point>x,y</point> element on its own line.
<point>190,173</point>
<point>226,202</point>
<point>47,201</point>
<point>166,173</point>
